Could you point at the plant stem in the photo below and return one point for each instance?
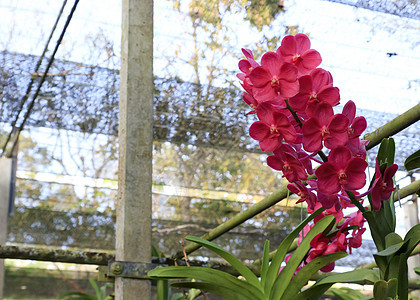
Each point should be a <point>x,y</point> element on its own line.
<point>297,119</point>
<point>293,112</point>
<point>355,202</point>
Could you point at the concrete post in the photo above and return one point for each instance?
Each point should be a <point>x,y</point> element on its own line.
<point>411,218</point>
<point>6,172</point>
<point>134,205</point>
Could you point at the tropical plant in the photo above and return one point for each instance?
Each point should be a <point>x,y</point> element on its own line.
<point>100,293</point>
<point>275,282</point>
<point>293,100</point>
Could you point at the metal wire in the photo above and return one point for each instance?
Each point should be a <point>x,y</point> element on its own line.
<point>31,104</point>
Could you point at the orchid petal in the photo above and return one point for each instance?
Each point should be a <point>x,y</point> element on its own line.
<point>302,42</point>
<point>349,110</point>
<point>260,76</point>
<point>288,45</point>
<point>340,157</point>
<point>330,95</point>
<point>311,59</point>
<point>272,62</point>
<point>259,131</point>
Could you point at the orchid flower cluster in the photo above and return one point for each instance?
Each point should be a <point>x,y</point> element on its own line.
<point>293,100</point>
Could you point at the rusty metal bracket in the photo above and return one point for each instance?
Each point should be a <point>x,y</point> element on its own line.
<point>127,269</point>
<point>103,274</point>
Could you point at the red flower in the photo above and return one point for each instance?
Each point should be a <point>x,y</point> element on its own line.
<point>321,246</point>
<point>314,89</point>
<point>248,64</point>
<point>357,124</point>
<point>341,171</point>
<point>325,127</point>
<point>355,241</point>
<point>296,50</point>
<point>272,128</point>
<point>304,193</point>
<point>274,78</point>
<point>383,185</point>
<point>288,163</point>
<point>250,101</point>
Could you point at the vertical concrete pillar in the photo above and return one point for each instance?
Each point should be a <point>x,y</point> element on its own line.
<point>411,218</point>
<point>134,204</point>
<point>5,179</point>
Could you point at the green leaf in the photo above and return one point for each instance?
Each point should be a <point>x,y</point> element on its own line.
<point>303,276</point>
<point>209,275</point>
<point>348,294</point>
<point>413,236</point>
<point>178,296</point>
<point>380,290</point>
<point>392,287</point>
<point>362,276</point>
<point>162,287</point>
<point>95,288</point>
<point>239,266</point>
<point>390,250</point>
<point>388,208</point>
<point>376,233</point>
<point>212,288</point>
<point>285,276</point>
<point>155,253</point>
<point>282,250</point>
<point>392,239</point>
<point>413,161</point>
<point>417,270</point>
<point>355,276</point>
<point>265,262</point>
<point>76,296</point>
<point>386,152</point>
<point>392,268</point>
<point>314,292</point>
<point>403,277</point>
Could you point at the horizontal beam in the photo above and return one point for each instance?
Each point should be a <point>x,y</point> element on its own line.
<point>57,255</point>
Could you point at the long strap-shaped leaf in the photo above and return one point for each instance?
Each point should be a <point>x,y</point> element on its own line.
<point>212,288</point>
<point>281,252</point>
<point>265,263</point>
<point>285,276</point>
<point>356,276</point>
<point>236,263</point>
<point>303,276</point>
<point>209,275</point>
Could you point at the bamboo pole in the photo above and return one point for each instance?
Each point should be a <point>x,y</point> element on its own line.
<point>396,125</point>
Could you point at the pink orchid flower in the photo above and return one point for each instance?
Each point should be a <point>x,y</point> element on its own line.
<point>272,128</point>
<point>383,185</point>
<point>315,88</point>
<point>304,193</point>
<point>341,171</point>
<point>296,50</point>
<point>325,127</point>
<point>274,78</point>
<point>285,159</point>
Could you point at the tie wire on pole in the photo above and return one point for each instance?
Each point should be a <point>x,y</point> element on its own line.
<point>17,130</point>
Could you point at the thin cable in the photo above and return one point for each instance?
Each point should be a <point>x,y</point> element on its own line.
<point>28,90</point>
<point>44,76</point>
